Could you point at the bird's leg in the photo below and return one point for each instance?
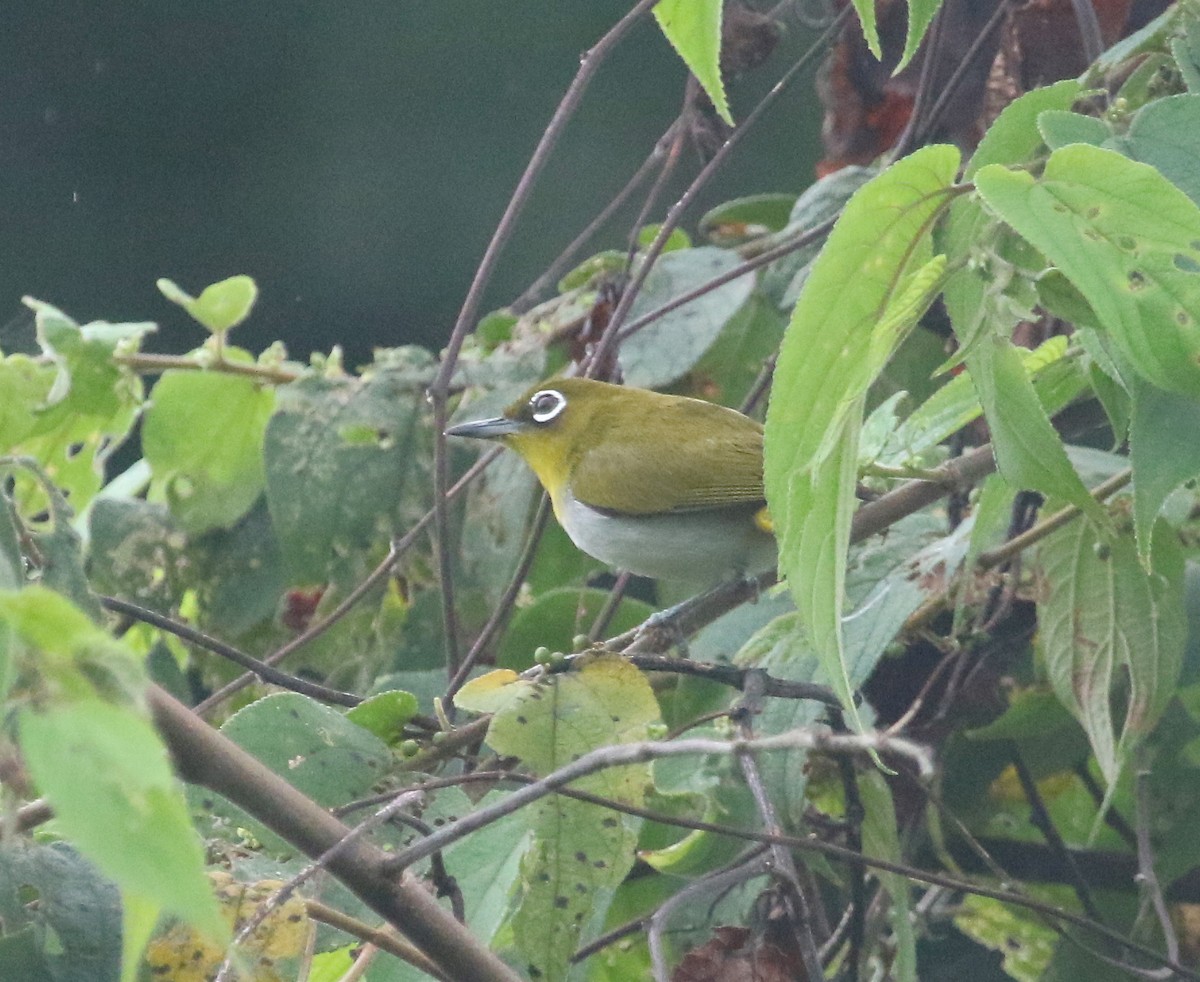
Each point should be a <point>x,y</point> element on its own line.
<point>672,627</point>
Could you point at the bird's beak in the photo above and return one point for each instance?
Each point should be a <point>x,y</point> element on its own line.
<point>485,429</point>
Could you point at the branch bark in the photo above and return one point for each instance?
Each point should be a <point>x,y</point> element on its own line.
<point>203,756</point>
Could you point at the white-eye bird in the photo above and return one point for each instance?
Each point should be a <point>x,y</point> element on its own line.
<point>659,485</point>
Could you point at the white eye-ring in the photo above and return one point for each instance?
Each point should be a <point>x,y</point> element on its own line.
<point>546,405</point>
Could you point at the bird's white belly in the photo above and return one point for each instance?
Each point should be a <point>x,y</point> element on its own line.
<point>695,547</point>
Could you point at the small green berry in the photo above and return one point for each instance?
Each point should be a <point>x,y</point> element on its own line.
<point>581,642</point>
<point>541,655</point>
<point>409,748</point>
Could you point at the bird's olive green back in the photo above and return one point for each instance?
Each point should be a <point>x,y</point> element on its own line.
<point>639,452</point>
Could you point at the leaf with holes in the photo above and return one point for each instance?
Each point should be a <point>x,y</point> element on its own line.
<point>1129,241</point>
<point>203,438</point>
<point>314,748</point>
<point>344,460</point>
<point>580,851</point>
<point>72,411</point>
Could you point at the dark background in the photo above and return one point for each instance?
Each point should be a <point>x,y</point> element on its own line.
<point>353,157</point>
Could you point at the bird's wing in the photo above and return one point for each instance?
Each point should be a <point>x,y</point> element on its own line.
<point>699,460</point>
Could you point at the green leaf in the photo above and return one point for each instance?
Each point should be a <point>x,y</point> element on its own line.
<point>920,14</point>
<point>220,306</point>
<point>1127,239</point>
<point>861,295</point>
<point>314,748</point>
<point>75,659</point>
<point>820,202</point>
<point>677,238</point>
<point>71,414</point>
<point>593,270</point>
<point>1060,128</point>
<point>486,866</point>
<point>385,714</point>
<point>876,246</point>
<point>1186,51</point>
<point>736,221</point>
<point>73,932</point>
<point>55,542</point>
<point>881,839</point>
<point>866,18</point>
<point>137,551</point>
<point>556,617</point>
<point>237,574</point>
<point>956,404</point>
<point>106,773</point>
<point>203,438</point>
<point>880,616</point>
<point>694,29</point>
<point>344,461</point>
<point>1014,137</point>
<point>820,505</point>
<point>1025,943</point>
<point>1029,453</point>
<point>1164,450</point>
<point>580,851</point>
<point>667,349</point>
<point>1165,134</point>
<point>1102,614</point>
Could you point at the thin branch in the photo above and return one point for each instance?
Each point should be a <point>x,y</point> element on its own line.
<point>783,864</point>
<point>1090,37</point>
<point>468,314</point>
<point>1041,819</point>
<point>963,66</point>
<point>757,262</point>
<point>644,751</point>
<point>261,669</point>
<point>504,605</point>
<point>675,150</point>
<point>748,868</point>
<point>153,364</point>
<point>855,814</point>
<point>384,938</point>
<point>735,677</point>
<point>674,215</point>
<point>1103,490</point>
<point>560,264</point>
<point>1147,877</point>
<point>844,854</point>
<point>609,610</point>
<point>285,892</point>
<point>32,815</point>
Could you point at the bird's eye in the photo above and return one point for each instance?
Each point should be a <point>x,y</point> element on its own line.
<point>546,405</point>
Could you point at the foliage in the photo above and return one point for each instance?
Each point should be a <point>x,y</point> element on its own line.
<point>1034,636</point>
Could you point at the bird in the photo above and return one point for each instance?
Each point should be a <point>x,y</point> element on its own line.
<point>662,486</point>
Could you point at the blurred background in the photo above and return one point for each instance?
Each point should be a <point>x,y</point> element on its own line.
<point>352,157</point>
